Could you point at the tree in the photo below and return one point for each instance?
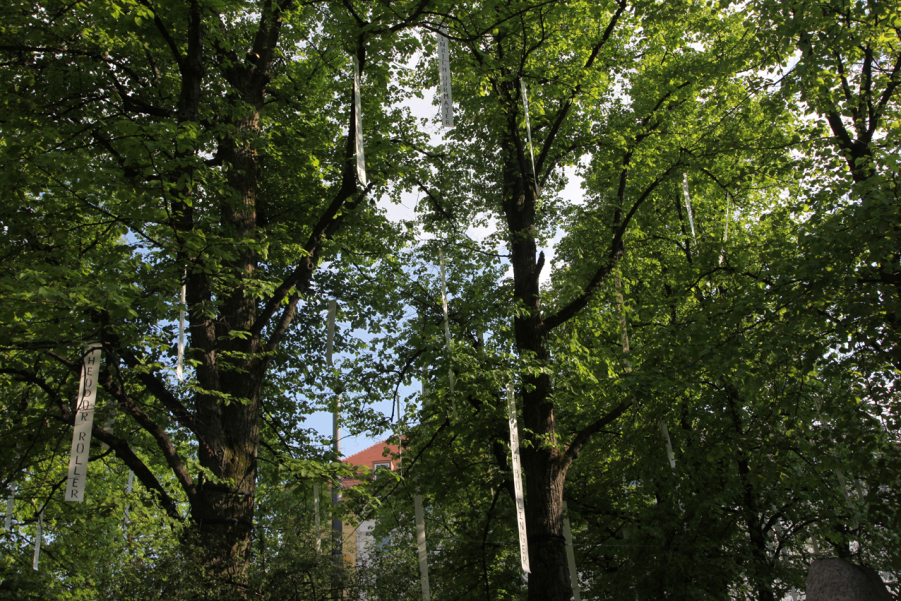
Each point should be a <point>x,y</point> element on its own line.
<point>153,144</point>
<point>642,127</point>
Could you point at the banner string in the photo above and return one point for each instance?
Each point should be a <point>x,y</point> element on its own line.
<point>447,336</point>
<point>691,220</point>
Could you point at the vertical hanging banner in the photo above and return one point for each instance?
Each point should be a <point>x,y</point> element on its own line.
<point>623,325</point>
<point>329,347</point>
<point>444,78</point>
<point>84,420</point>
<point>669,443</point>
<point>358,125</point>
<point>421,548</point>
<point>10,505</point>
<point>525,105</point>
<point>571,555</point>
<point>337,526</point>
<point>517,482</point>
<point>179,365</point>
<point>38,539</point>
<point>726,233</point>
<point>11,501</point>
<point>316,520</point>
<point>447,336</point>
<point>691,220</point>
<point>128,488</point>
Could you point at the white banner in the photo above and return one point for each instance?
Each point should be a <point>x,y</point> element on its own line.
<point>10,505</point>
<point>421,548</point>
<point>84,420</point>
<point>517,481</point>
<point>726,232</point>
<point>337,527</point>
<point>330,330</point>
<point>571,555</point>
<point>128,487</point>
<point>316,520</point>
<point>525,104</point>
<point>691,220</point>
<point>447,336</point>
<point>669,443</point>
<point>11,500</point>
<point>38,539</point>
<point>179,365</point>
<point>444,79</point>
<point>358,125</point>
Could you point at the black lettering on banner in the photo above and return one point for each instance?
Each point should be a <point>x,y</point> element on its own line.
<point>81,435</point>
<point>79,448</point>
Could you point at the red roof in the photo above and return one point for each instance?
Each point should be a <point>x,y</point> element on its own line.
<point>379,454</point>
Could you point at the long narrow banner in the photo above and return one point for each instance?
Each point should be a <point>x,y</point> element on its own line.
<point>10,505</point>
<point>525,104</point>
<point>447,336</point>
<point>571,555</point>
<point>337,526</point>
<point>11,501</point>
<point>38,539</point>
<point>179,365</point>
<point>691,220</point>
<point>444,79</point>
<point>358,125</point>
<point>669,443</point>
<point>84,420</point>
<point>623,326</point>
<point>329,347</point>
<point>421,548</point>
<point>517,482</point>
<point>128,488</point>
<point>316,520</point>
<point>726,233</point>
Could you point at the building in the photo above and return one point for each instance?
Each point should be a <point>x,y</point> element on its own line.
<point>357,537</point>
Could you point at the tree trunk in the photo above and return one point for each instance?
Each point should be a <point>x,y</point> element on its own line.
<point>752,518</point>
<point>542,460</point>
